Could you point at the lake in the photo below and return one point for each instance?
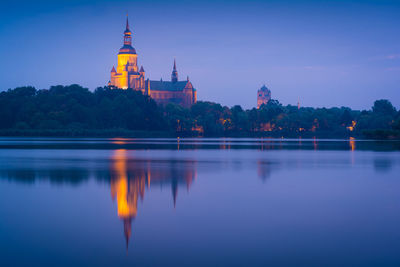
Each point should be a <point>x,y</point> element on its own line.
<point>196,202</point>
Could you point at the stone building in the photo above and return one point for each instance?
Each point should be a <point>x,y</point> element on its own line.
<point>263,96</point>
<point>128,75</point>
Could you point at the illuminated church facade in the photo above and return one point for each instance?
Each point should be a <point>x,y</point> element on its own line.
<point>128,75</point>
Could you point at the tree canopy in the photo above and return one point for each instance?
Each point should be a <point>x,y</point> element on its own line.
<point>74,108</point>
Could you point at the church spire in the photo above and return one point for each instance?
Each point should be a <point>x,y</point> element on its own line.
<point>174,75</point>
<point>127,23</point>
<point>127,34</point>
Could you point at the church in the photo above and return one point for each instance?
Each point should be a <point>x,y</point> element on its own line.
<point>128,75</point>
<point>263,96</point>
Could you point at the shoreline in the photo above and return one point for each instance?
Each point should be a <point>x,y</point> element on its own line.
<point>120,133</point>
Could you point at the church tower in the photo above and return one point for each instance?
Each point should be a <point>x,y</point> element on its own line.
<point>174,75</point>
<point>127,74</point>
<point>263,96</point>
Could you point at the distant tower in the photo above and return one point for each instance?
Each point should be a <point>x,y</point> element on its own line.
<point>174,75</point>
<point>263,96</point>
<point>298,103</point>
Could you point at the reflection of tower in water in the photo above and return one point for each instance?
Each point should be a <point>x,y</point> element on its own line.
<point>129,179</point>
<point>126,191</point>
<point>263,169</point>
<point>352,143</point>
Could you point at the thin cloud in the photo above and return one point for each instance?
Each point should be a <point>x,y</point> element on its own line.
<point>386,57</point>
<point>393,69</point>
<point>316,67</point>
<point>393,56</point>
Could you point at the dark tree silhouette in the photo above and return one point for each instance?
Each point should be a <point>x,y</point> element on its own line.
<point>74,110</point>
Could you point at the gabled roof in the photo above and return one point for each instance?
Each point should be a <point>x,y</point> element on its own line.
<point>168,86</point>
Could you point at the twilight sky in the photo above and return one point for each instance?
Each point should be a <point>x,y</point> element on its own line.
<point>325,53</point>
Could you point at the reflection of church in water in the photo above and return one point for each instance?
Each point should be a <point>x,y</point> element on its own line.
<point>130,179</point>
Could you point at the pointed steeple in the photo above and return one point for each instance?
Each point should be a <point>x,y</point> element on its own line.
<point>113,70</point>
<point>141,69</point>
<point>127,23</point>
<point>127,34</point>
<point>174,75</point>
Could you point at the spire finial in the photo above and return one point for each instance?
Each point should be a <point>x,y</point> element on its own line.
<point>174,64</point>
<point>127,22</point>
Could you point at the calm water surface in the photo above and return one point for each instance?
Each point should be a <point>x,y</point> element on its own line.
<point>196,202</point>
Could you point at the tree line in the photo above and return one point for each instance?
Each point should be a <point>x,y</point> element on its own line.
<point>74,110</point>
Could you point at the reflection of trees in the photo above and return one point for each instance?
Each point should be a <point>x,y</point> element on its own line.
<point>56,176</point>
<point>130,178</point>
<point>382,164</point>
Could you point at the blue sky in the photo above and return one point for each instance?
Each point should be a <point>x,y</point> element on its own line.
<point>324,53</point>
